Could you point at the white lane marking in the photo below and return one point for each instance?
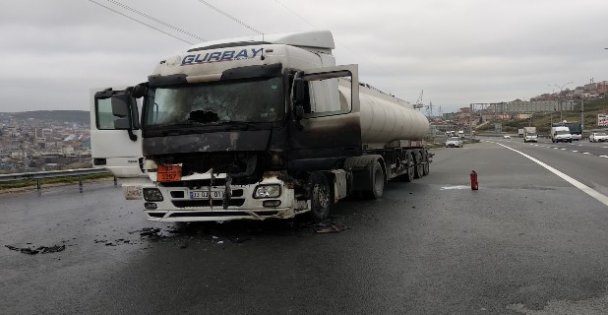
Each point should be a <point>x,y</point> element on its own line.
<point>555,148</point>
<point>604,156</point>
<point>575,151</point>
<point>563,149</point>
<point>586,189</point>
<point>586,153</point>
<point>454,187</point>
<point>604,147</point>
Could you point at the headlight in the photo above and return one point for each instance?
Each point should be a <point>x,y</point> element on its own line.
<point>152,194</point>
<point>267,191</point>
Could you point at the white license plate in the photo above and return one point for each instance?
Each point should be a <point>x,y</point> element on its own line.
<point>205,194</point>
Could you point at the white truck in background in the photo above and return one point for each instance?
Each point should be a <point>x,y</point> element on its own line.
<point>560,134</point>
<point>255,129</point>
<point>520,132</point>
<point>530,134</point>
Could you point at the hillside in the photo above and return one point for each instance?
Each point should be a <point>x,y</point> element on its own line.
<point>76,116</point>
<point>542,121</point>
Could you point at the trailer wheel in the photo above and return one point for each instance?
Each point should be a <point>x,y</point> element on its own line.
<point>377,181</point>
<point>320,196</point>
<point>409,177</point>
<point>426,169</point>
<point>419,167</point>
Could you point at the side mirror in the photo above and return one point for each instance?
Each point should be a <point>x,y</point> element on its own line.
<point>299,87</point>
<point>121,105</point>
<point>124,108</point>
<point>122,124</point>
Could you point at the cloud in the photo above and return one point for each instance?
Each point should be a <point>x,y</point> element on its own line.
<point>459,52</point>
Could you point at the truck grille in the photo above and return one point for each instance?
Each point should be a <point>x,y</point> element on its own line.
<point>205,203</point>
<point>223,213</point>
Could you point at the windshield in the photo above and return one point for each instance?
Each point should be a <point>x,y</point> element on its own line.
<point>562,132</point>
<point>259,100</point>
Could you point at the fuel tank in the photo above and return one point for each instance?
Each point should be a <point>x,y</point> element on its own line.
<point>385,118</point>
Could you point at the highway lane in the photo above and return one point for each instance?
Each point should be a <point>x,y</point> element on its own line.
<point>588,163</point>
<point>527,240</point>
<point>582,146</point>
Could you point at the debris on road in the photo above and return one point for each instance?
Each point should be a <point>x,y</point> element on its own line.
<point>37,250</point>
<point>329,227</point>
<point>149,232</point>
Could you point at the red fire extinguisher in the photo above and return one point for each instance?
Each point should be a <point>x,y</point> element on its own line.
<point>474,183</point>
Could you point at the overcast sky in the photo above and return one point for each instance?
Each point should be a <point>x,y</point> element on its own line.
<point>53,52</point>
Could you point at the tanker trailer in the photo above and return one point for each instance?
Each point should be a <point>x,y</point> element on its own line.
<point>255,129</point>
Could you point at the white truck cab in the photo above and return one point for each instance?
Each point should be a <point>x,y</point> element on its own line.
<point>560,134</point>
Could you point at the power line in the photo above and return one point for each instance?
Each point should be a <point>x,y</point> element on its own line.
<point>226,14</point>
<point>288,9</point>
<point>175,28</point>
<point>141,22</point>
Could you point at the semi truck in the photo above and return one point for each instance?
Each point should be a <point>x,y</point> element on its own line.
<point>530,134</point>
<point>255,129</point>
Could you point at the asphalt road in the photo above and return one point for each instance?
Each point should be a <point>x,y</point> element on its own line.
<point>527,242</point>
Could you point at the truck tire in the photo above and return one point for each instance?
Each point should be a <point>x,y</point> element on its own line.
<point>409,177</point>
<point>418,173</point>
<point>320,195</point>
<point>426,169</point>
<point>377,181</point>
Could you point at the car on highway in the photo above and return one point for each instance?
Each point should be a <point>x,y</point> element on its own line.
<point>454,142</point>
<point>506,137</point>
<point>598,137</point>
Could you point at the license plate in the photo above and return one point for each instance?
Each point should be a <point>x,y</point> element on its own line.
<point>205,194</point>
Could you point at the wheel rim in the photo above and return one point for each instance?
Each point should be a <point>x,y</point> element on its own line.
<point>410,172</point>
<point>379,181</point>
<point>322,195</point>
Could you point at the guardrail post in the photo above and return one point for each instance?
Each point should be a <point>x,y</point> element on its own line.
<point>115,182</point>
<point>80,184</point>
<point>38,184</point>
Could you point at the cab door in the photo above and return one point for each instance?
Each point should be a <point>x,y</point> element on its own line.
<point>115,133</point>
<point>325,105</point>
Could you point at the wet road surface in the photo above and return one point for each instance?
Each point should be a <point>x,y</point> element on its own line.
<point>526,242</point>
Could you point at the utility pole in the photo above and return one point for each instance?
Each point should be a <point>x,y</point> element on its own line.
<point>582,115</point>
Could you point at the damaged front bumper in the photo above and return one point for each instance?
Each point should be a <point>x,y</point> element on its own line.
<point>209,203</point>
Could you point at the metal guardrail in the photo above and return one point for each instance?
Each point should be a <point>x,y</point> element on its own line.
<point>38,176</point>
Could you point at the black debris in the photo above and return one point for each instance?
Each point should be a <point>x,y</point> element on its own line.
<point>329,227</point>
<point>149,232</point>
<point>38,250</point>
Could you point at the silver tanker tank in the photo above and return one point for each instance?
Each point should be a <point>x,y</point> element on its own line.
<point>385,118</point>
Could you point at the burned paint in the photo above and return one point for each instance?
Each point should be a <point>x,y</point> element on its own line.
<point>208,142</point>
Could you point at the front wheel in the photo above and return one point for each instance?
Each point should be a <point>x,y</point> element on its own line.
<point>320,196</point>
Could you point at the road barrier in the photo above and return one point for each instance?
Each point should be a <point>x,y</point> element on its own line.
<point>38,176</point>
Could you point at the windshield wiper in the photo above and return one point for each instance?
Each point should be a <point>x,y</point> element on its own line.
<point>242,125</point>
